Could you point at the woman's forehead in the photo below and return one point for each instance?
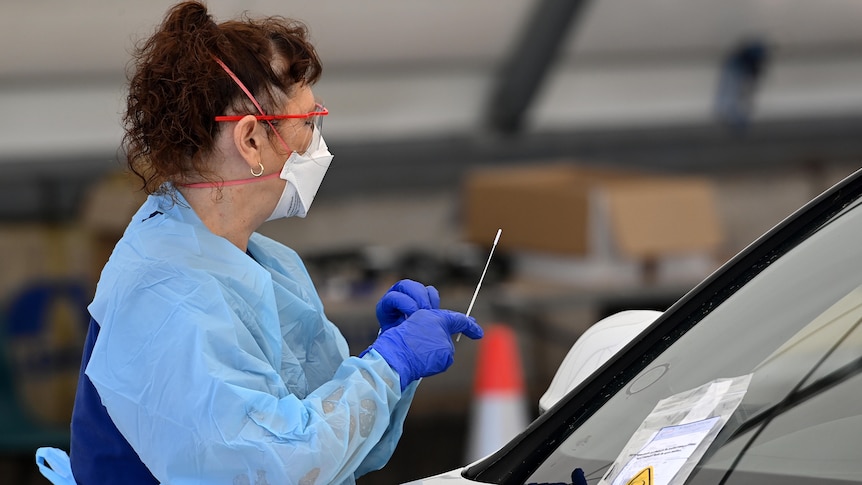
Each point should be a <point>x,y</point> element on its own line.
<point>302,100</point>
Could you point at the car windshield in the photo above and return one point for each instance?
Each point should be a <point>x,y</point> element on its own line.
<point>795,328</point>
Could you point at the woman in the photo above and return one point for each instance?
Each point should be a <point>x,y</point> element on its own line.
<point>209,357</point>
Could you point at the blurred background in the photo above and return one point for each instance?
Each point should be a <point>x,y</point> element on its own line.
<point>626,148</point>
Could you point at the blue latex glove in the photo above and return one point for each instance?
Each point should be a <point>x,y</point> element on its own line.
<point>578,477</point>
<point>421,346</point>
<point>404,298</point>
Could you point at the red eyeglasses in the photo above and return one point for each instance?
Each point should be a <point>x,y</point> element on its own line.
<point>315,116</point>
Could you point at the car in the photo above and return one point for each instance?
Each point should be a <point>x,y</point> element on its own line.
<point>784,315</point>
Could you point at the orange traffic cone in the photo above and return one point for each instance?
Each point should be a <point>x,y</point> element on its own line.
<point>499,410</point>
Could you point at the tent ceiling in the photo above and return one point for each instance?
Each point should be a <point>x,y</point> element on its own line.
<point>398,69</point>
<point>94,36</point>
<point>401,76</point>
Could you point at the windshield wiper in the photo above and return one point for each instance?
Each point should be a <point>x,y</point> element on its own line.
<point>794,398</point>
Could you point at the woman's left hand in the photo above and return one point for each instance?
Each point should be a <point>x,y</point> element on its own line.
<point>404,298</point>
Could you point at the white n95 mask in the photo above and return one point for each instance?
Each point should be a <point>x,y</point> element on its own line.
<point>304,174</point>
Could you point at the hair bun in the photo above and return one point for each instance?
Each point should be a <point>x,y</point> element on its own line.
<point>188,17</point>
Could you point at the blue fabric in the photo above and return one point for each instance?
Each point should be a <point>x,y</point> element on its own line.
<point>217,368</point>
<point>421,346</point>
<point>402,299</point>
<point>98,450</point>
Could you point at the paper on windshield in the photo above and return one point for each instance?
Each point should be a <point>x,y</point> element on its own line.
<point>676,434</point>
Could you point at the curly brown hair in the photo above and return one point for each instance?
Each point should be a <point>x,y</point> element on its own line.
<point>176,87</point>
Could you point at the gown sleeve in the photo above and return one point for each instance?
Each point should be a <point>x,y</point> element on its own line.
<point>193,393</point>
<point>383,450</point>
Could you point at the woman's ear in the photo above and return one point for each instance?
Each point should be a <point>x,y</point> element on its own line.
<point>248,136</point>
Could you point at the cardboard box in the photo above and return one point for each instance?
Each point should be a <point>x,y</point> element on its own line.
<point>567,210</point>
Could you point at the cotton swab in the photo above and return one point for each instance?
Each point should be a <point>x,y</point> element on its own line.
<point>488,262</point>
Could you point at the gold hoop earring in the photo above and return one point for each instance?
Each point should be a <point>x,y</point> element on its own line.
<point>258,174</point>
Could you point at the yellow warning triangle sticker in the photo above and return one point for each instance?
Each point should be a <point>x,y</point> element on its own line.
<point>642,478</point>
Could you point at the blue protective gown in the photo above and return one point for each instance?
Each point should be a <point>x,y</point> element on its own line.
<point>220,368</point>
